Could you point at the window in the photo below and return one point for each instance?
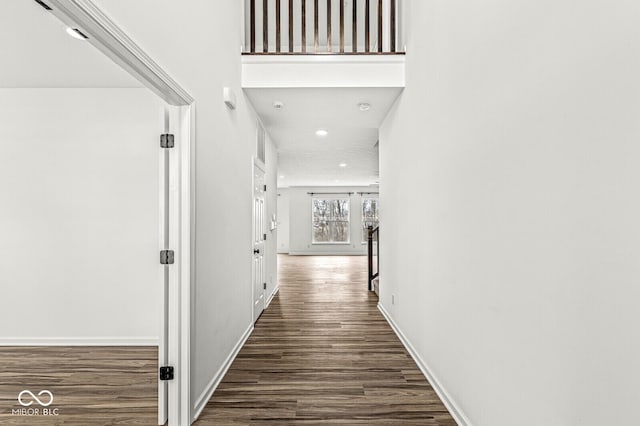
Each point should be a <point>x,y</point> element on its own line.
<point>330,220</point>
<point>369,216</point>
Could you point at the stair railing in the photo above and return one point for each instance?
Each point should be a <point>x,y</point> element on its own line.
<point>373,236</point>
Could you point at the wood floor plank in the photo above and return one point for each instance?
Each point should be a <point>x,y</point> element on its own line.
<point>90,385</point>
<point>323,354</point>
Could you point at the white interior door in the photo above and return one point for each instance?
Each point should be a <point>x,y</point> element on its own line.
<point>259,236</point>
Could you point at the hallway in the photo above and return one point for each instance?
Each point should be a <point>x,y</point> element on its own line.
<point>322,353</point>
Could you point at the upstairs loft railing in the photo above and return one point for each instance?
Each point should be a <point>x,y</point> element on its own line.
<point>372,255</point>
<point>321,27</point>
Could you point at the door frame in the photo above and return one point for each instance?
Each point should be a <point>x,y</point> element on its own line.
<point>112,41</point>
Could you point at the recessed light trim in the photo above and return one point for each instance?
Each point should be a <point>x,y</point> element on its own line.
<point>342,164</point>
<point>278,104</point>
<point>364,106</point>
<point>76,33</point>
<point>321,133</point>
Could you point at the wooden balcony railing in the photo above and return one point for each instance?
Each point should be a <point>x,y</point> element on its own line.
<point>309,27</point>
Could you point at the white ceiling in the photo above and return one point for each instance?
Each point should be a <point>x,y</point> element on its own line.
<point>35,52</point>
<point>305,159</point>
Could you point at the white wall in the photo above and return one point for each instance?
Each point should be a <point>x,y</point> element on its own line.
<point>79,216</point>
<point>200,49</point>
<point>283,220</point>
<point>271,202</point>
<point>509,193</point>
<point>300,235</point>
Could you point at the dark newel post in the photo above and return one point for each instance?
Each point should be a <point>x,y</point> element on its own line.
<point>370,255</point>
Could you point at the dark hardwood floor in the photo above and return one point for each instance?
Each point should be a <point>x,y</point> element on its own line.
<point>323,354</point>
<point>90,385</point>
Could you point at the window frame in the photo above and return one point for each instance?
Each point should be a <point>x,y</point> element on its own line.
<point>365,238</point>
<point>311,222</point>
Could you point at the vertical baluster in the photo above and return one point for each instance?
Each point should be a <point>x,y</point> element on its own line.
<point>392,21</point>
<point>367,18</point>
<point>379,25</point>
<point>252,18</point>
<point>265,26</point>
<point>328,25</point>
<point>278,39</point>
<point>354,37</point>
<point>290,26</point>
<point>303,25</point>
<point>315,25</point>
<point>341,26</point>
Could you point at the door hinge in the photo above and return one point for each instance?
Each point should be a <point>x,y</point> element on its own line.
<point>264,237</point>
<point>167,257</point>
<point>166,373</point>
<point>167,140</point>
<point>265,187</point>
<point>264,285</point>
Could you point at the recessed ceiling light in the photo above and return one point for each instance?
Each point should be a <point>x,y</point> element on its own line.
<point>342,164</point>
<point>321,133</point>
<point>364,106</point>
<point>76,33</point>
<point>278,104</point>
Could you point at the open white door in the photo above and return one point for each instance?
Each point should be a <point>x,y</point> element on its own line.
<point>259,236</point>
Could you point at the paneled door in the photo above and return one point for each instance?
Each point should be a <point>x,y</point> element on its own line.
<point>259,236</point>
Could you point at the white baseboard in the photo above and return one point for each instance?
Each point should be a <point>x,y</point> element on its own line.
<point>277,289</point>
<point>79,341</point>
<point>455,411</point>
<point>204,398</point>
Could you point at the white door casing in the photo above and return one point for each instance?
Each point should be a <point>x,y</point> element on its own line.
<point>259,234</point>
<point>163,347</point>
<point>111,40</point>
<point>172,406</point>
